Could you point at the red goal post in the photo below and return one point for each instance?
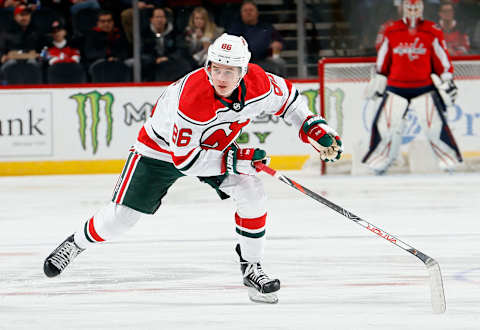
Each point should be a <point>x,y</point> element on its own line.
<point>342,83</point>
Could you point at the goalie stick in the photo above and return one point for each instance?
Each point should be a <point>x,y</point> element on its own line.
<point>435,275</point>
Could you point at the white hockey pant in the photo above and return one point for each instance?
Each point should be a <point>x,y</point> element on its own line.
<point>246,191</point>
<point>250,199</point>
<point>430,111</point>
<point>110,222</point>
<point>386,136</point>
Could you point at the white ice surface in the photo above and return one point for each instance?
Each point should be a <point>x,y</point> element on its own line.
<point>178,270</point>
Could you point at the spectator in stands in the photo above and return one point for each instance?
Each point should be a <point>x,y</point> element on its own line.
<point>457,41</point>
<point>127,14</point>
<point>60,51</point>
<point>264,41</point>
<point>163,53</point>
<point>200,32</point>
<point>105,42</point>
<point>20,41</point>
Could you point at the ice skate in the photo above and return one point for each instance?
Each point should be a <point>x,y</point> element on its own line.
<point>61,257</point>
<point>261,288</point>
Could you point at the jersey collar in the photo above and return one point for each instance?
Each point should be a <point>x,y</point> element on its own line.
<point>236,101</point>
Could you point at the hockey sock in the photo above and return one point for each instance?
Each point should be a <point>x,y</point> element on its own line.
<point>251,236</point>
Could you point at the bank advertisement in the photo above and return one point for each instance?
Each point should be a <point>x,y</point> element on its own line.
<point>26,125</point>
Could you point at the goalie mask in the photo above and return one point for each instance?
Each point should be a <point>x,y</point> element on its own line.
<point>229,50</point>
<point>412,12</point>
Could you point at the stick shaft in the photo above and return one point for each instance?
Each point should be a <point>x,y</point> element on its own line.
<point>365,224</point>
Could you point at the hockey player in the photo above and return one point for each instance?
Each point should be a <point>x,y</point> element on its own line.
<point>412,49</point>
<point>192,131</point>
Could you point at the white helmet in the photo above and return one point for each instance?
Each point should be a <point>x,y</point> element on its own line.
<point>229,50</point>
<point>412,12</point>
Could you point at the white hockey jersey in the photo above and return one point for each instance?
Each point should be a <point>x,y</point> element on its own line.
<point>190,126</point>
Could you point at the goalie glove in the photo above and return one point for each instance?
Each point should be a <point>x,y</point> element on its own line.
<point>241,161</point>
<point>376,87</point>
<point>322,137</point>
<point>446,87</point>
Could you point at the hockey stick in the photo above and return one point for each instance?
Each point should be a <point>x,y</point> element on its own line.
<point>436,283</point>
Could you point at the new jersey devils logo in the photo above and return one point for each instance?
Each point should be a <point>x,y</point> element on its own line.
<point>220,136</point>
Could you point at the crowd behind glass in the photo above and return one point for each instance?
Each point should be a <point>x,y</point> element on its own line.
<point>77,41</point>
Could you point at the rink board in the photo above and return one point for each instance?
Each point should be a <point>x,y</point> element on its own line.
<point>89,128</point>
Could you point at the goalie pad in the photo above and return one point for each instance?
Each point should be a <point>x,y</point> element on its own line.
<point>386,133</point>
<point>431,114</point>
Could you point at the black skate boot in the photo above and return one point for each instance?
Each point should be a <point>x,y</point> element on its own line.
<point>59,259</point>
<point>261,288</point>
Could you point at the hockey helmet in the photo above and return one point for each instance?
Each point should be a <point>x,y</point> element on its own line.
<point>412,12</point>
<point>229,50</point>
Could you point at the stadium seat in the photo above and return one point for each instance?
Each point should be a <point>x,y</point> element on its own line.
<point>105,71</point>
<point>22,73</point>
<point>66,73</point>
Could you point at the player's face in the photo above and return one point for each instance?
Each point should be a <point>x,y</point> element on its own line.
<point>224,78</point>
<point>413,11</point>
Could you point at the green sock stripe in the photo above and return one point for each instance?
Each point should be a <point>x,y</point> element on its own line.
<point>86,233</point>
<point>250,235</point>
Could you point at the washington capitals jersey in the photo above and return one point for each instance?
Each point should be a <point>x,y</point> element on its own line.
<point>191,126</point>
<point>408,56</point>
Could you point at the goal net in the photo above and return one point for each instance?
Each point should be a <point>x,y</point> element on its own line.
<point>342,102</point>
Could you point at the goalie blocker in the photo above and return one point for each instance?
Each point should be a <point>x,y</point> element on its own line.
<point>390,120</point>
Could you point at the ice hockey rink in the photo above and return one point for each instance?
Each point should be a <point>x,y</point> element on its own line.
<point>177,269</point>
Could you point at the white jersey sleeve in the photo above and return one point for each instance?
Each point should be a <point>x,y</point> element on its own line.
<point>293,108</point>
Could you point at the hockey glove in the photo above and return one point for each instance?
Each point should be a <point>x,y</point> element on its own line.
<point>446,87</point>
<point>322,137</point>
<point>376,87</point>
<point>241,161</point>
<point>449,87</point>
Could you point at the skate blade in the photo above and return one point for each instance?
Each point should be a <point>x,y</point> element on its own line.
<point>262,298</point>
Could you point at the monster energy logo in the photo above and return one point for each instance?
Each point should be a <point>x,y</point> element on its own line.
<point>96,102</point>
<point>311,95</point>
<point>333,105</point>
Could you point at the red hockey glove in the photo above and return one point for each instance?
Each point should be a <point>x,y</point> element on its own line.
<point>240,161</point>
<point>322,137</point>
